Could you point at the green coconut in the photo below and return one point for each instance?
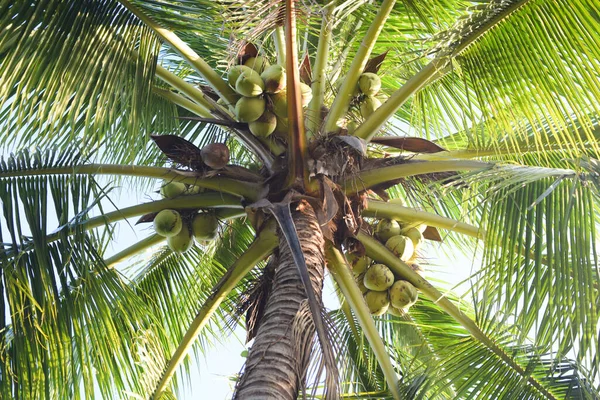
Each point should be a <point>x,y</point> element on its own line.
<point>193,189</point>
<point>382,97</point>
<point>279,102</point>
<point>378,277</point>
<point>274,78</point>
<point>170,189</point>
<point>181,242</point>
<point>361,284</point>
<point>306,94</point>
<point>386,228</point>
<point>415,235</point>
<point>235,72</point>
<point>403,294</point>
<point>249,84</point>
<point>264,126</point>
<point>281,130</point>
<point>258,63</point>
<point>167,223</point>
<point>249,109</point>
<point>369,83</point>
<point>358,264</point>
<point>369,105</point>
<point>401,246</point>
<point>378,302</point>
<point>204,226</point>
<point>398,312</point>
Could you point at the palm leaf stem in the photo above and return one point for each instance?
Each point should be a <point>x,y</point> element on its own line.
<point>201,66</point>
<point>186,88</point>
<point>225,185</point>
<point>340,271</point>
<point>203,200</point>
<point>372,177</point>
<point>262,247</point>
<point>380,209</point>
<point>380,253</point>
<point>342,99</point>
<point>319,78</point>
<point>183,102</point>
<point>297,143</point>
<point>279,40</point>
<point>133,249</point>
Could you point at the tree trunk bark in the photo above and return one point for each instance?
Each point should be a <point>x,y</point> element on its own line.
<point>277,362</point>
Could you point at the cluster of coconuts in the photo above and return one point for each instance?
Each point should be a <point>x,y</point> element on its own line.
<point>382,291</point>
<point>369,86</point>
<point>179,231</point>
<point>263,101</point>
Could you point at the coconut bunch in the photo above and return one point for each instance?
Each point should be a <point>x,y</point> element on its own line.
<point>181,231</point>
<point>263,101</point>
<point>369,91</point>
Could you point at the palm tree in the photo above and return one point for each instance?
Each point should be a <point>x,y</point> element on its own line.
<point>489,137</point>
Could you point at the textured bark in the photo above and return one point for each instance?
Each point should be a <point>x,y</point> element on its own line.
<point>276,366</point>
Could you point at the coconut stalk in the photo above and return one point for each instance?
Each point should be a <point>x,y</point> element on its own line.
<point>262,247</point>
<point>342,99</point>
<point>380,253</point>
<point>319,72</point>
<point>181,101</point>
<point>372,177</point>
<point>133,249</point>
<point>279,40</point>
<point>186,88</point>
<point>340,271</point>
<point>185,51</point>
<point>380,209</point>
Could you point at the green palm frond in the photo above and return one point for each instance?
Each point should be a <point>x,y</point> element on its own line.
<point>79,71</point>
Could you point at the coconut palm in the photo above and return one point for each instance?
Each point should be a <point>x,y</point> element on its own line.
<point>483,137</point>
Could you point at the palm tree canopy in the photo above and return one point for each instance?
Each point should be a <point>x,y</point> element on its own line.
<point>488,129</point>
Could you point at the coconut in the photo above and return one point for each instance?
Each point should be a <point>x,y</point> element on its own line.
<point>386,228</point>
<point>378,277</point>
<point>274,78</point>
<point>401,246</point>
<point>403,294</point>
<point>170,189</point>
<point>249,109</point>
<point>167,223</point>
<point>378,302</point>
<point>369,105</point>
<point>382,97</point>
<point>193,189</point>
<point>204,226</point>
<point>415,235</point>
<point>257,63</point>
<point>264,126</point>
<point>359,264</point>
<point>369,83</point>
<point>361,284</point>
<point>279,102</point>
<point>181,242</point>
<point>398,312</point>
<point>282,127</point>
<point>215,155</point>
<point>249,84</point>
<point>235,72</point>
<point>306,94</point>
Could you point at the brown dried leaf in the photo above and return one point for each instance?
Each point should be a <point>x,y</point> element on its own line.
<point>146,218</point>
<point>306,71</point>
<point>374,63</point>
<point>180,151</point>
<point>247,51</point>
<point>432,233</point>
<point>412,144</point>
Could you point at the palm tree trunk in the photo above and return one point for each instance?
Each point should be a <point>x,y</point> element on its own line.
<point>278,360</point>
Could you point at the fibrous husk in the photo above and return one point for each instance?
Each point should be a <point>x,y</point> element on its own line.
<point>264,126</point>
<point>249,109</point>
<point>258,63</point>
<point>215,155</point>
<point>369,83</point>
<point>249,84</point>
<point>205,226</point>
<point>181,242</point>
<point>378,302</point>
<point>170,189</point>
<point>403,294</point>
<point>401,246</point>
<point>167,223</point>
<point>378,277</point>
<point>386,228</point>
<point>274,78</point>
